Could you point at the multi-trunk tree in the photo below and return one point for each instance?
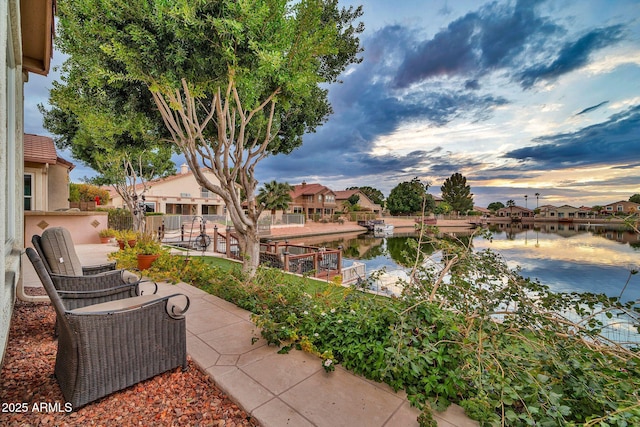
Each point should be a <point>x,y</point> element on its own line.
<point>233,80</point>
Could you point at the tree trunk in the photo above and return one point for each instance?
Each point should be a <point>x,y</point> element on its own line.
<point>250,250</point>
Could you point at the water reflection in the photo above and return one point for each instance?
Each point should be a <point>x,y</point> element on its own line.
<point>566,257</point>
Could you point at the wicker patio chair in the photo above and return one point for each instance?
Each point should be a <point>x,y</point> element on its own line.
<point>107,347</point>
<point>57,250</point>
<point>93,284</point>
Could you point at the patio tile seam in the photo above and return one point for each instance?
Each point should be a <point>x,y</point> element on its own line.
<point>393,414</point>
<point>277,394</point>
<point>270,401</point>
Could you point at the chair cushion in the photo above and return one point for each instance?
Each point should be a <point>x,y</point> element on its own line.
<point>59,251</point>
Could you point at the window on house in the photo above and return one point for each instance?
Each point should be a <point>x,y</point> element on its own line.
<point>320,198</point>
<point>28,192</point>
<point>205,193</point>
<point>298,210</point>
<point>620,208</point>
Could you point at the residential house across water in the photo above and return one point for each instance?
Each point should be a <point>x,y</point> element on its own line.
<point>364,201</point>
<point>315,201</point>
<point>178,194</point>
<point>515,212</point>
<point>624,207</point>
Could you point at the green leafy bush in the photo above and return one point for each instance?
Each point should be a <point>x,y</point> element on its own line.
<point>466,329</point>
<point>87,193</point>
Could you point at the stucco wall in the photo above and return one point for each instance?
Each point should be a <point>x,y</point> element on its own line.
<point>83,226</point>
<point>171,190</point>
<point>11,125</point>
<point>58,187</point>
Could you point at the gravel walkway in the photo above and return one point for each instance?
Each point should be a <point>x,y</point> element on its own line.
<point>174,398</point>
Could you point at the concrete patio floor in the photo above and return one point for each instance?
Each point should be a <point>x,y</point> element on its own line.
<point>277,389</point>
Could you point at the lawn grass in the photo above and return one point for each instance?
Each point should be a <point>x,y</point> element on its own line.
<point>222,263</point>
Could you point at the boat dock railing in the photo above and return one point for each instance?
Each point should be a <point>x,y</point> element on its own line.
<point>301,259</point>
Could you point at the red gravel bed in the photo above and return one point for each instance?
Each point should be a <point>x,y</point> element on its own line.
<point>30,395</point>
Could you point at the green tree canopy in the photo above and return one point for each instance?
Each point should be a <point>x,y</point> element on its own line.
<point>408,197</point>
<point>234,81</point>
<point>457,193</point>
<point>87,193</point>
<point>354,199</point>
<point>495,206</point>
<point>635,198</point>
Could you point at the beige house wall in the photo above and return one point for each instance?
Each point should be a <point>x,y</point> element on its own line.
<point>50,186</point>
<point>364,202</point>
<point>83,226</point>
<point>58,187</point>
<point>565,211</point>
<point>181,189</point>
<point>622,206</point>
<point>11,165</point>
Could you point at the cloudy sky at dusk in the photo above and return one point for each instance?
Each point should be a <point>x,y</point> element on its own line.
<point>521,97</point>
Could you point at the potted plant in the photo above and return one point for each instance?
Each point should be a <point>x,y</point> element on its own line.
<point>148,248</point>
<point>126,237</point>
<point>106,234</point>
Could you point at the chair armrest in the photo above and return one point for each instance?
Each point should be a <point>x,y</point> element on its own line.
<point>127,290</point>
<point>173,309</point>
<point>88,283</point>
<point>98,268</point>
<point>146,287</point>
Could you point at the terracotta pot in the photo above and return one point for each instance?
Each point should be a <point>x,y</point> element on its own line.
<point>131,243</point>
<point>105,239</point>
<point>145,261</point>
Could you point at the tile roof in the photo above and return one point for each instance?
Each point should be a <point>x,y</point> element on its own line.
<point>41,149</point>
<point>308,189</point>
<point>345,194</point>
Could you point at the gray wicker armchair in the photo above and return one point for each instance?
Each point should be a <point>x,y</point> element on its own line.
<point>59,254</point>
<point>89,284</point>
<point>107,347</point>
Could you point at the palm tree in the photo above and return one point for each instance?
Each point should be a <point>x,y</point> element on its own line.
<point>526,197</point>
<point>537,196</point>
<point>275,195</point>
<point>510,205</point>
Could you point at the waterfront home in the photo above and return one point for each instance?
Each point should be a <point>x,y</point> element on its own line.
<point>514,212</point>
<point>365,203</point>
<point>177,194</point>
<point>621,207</point>
<point>46,176</point>
<point>315,201</point>
<point>565,212</point>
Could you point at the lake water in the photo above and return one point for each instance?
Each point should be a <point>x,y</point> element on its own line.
<point>565,257</point>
